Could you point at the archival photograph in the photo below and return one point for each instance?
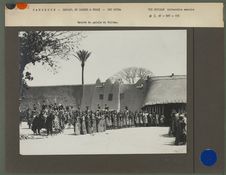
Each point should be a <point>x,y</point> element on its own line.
<point>103,92</point>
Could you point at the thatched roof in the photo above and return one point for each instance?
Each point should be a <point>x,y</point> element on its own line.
<point>167,89</point>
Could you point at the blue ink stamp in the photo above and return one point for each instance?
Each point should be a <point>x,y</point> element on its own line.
<point>208,157</point>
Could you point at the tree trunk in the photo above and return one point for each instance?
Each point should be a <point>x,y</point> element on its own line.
<point>80,104</point>
<point>83,75</point>
<point>21,86</point>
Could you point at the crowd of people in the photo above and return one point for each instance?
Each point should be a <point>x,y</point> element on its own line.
<point>55,118</point>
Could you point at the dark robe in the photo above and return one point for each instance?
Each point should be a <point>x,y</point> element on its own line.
<point>83,125</point>
<point>49,123</point>
<point>98,122</point>
<point>88,123</point>
<point>38,123</point>
<point>94,123</point>
<point>77,125</point>
<point>114,120</point>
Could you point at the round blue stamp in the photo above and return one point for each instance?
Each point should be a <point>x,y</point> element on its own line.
<point>208,157</point>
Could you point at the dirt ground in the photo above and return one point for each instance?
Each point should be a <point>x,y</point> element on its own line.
<point>142,140</point>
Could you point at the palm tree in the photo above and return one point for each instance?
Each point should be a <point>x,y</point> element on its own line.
<point>82,56</point>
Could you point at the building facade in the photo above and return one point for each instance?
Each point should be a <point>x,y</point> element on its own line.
<point>159,94</point>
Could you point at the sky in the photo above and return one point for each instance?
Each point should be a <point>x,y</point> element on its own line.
<point>161,51</point>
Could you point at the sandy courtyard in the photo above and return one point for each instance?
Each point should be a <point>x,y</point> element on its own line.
<point>142,140</point>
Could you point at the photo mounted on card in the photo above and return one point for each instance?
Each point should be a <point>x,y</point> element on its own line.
<point>77,89</point>
<point>114,82</point>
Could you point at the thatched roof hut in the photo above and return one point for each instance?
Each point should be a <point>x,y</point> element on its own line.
<point>167,89</point>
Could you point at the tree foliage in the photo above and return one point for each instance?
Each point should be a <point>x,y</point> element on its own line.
<point>45,47</point>
<point>131,75</point>
<point>82,56</point>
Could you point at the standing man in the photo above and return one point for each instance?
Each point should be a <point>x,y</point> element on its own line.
<point>119,120</point>
<point>150,119</point>
<point>137,120</point>
<point>114,117</point>
<point>145,118</point>
<point>171,122</point>
<point>88,122</point>
<point>157,119</point>
<point>126,114</point>
<point>56,121</point>
<point>162,120</point>
<point>83,123</point>
<point>28,117</point>
<point>76,121</point>
<point>141,118</point>
<point>98,120</point>
<point>34,114</point>
<point>61,117</point>
<point>94,122</point>
<point>49,121</point>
